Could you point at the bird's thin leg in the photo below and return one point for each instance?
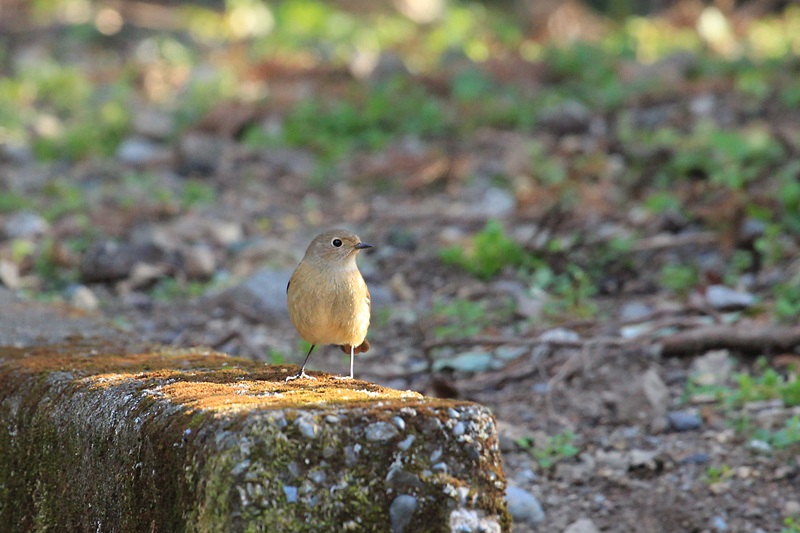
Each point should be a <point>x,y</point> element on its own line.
<point>302,373</point>
<point>352,356</point>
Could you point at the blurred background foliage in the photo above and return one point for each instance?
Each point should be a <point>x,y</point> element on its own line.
<point>72,67</point>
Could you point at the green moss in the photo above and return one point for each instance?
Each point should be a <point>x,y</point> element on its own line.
<point>105,440</point>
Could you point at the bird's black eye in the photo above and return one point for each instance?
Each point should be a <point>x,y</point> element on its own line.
<point>336,242</point>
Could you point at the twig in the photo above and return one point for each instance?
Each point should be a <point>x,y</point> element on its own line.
<point>665,240</point>
<point>524,341</point>
<point>751,340</point>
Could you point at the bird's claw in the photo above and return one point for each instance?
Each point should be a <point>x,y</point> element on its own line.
<point>299,375</point>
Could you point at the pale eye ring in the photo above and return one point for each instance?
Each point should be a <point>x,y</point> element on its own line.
<point>337,243</point>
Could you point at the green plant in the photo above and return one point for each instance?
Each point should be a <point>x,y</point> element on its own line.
<point>487,253</point>
<point>46,266</point>
<point>788,435</point>
<point>170,289</point>
<point>276,357</point>
<point>788,178</point>
<point>772,245</point>
<point>10,202</point>
<point>787,301</point>
<point>792,525</point>
<point>663,201</point>
<point>547,169</point>
<point>729,158</point>
<point>65,198</point>
<point>555,448</point>
<point>367,119</point>
<point>679,278</point>
<point>718,474</point>
<point>766,385</point>
<point>198,193</point>
<point>459,318</point>
<point>569,292</point>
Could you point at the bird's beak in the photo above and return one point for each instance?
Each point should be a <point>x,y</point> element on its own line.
<point>362,245</point>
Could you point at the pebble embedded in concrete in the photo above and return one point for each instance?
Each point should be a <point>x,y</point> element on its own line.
<point>381,431</point>
<point>401,511</point>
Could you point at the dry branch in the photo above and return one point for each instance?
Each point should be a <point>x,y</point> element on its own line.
<point>754,340</point>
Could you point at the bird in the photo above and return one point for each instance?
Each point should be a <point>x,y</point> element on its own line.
<point>327,296</point>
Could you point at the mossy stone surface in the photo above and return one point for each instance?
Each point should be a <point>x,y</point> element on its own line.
<point>98,439</point>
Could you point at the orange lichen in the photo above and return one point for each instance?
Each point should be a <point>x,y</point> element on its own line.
<point>201,380</point>
<point>186,427</point>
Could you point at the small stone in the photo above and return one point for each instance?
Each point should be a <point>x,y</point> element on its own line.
<point>696,459</point>
<point>655,390</point>
<point>399,422</point>
<point>713,368</point>
<point>226,233</point>
<point>381,431</point>
<point>291,493</point>
<point>137,151</point>
<point>571,117</point>
<point>9,274</point>
<point>758,445</point>
<point>530,305</point>
<point>540,388</point>
<point>108,260</point>
<point>439,467</point>
<point>559,335</point>
<point>751,230</point>
<point>496,203</point>
<point>307,427</point>
<point>791,508</point>
<point>406,443</point>
<point>718,524</point>
<point>387,65</point>
<point>200,152</point>
<point>318,476</point>
<point>400,288</point>
<point>643,459</point>
<point>584,525</point>
<point>25,224</point>
<point>723,298</point>
<point>635,310</point>
<point>684,421</point>
<point>153,123</point>
<point>144,274</point>
<point>640,400</point>
<point>351,454</point>
<point>403,239</point>
<point>401,511</point>
<point>523,506</point>
<point>199,262</point>
<point>82,297</point>
<point>465,362</point>
<point>15,152</point>
<point>436,455</point>
<point>263,294</point>
<point>472,521</point>
<point>703,104</point>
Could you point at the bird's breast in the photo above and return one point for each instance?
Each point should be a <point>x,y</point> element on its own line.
<point>329,306</point>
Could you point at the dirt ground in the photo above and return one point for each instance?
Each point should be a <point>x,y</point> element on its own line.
<point>186,234</point>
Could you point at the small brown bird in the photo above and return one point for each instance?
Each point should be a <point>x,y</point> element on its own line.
<point>328,298</point>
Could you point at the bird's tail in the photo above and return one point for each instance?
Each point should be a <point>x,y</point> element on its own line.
<point>361,348</point>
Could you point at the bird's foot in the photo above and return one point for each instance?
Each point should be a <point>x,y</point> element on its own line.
<point>300,375</point>
<point>343,377</point>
